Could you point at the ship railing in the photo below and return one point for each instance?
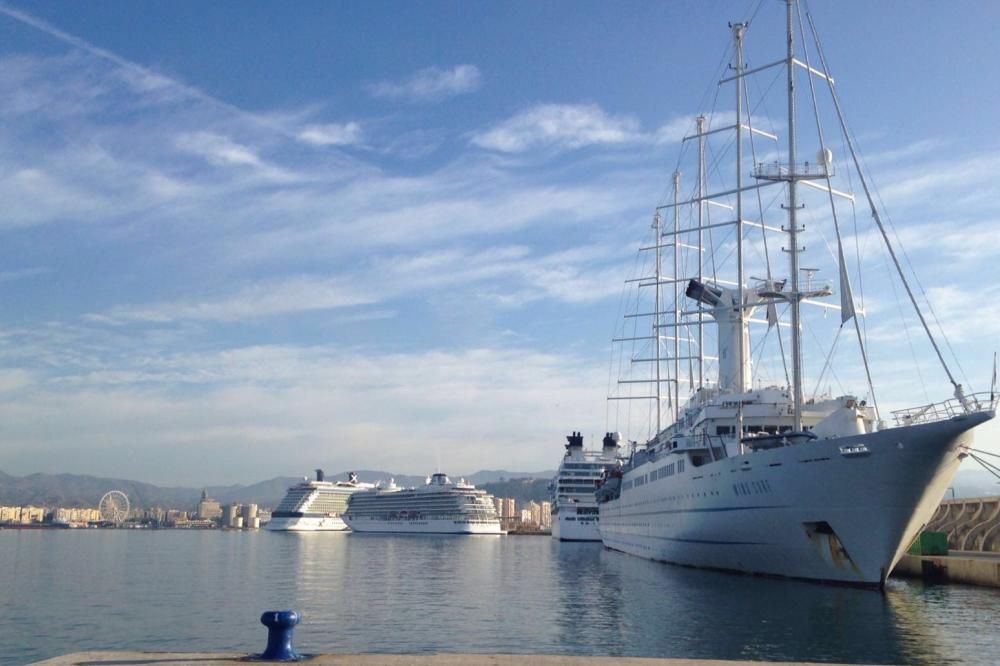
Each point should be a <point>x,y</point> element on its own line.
<point>946,409</point>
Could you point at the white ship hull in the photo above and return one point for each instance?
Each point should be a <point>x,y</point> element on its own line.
<point>805,511</point>
<point>422,526</point>
<point>307,524</point>
<point>568,526</point>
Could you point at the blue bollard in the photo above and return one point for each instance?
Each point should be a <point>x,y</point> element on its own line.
<point>280,627</point>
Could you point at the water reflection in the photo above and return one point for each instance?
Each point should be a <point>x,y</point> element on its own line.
<point>378,593</point>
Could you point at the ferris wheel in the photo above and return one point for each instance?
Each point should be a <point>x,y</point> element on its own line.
<point>114,507</point>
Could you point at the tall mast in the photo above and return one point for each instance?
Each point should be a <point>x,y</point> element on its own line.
<point>701,243</point>
<point>793,252</point>
<point>739,29</point>
<point>656,316</point>
<point>677,296</point>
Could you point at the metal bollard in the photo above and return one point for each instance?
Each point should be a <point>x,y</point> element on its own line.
<point>280,627</point>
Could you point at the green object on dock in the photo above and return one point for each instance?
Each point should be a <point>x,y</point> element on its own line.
<point>929,543</point>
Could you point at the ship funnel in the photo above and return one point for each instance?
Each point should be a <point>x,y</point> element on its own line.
<point>352,477</point>
<point>611,440</point>
<point>319,475</point>
<point>574,441</point>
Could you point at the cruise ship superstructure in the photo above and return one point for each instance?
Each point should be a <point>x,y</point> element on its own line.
<point>754,474</point>
<point>315,505</point>
<point>574,505</point>
<point>440,506</point>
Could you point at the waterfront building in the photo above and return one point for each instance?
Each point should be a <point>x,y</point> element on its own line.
<point>22,514</point>
<point>208,508</point>
<point>75,516</point>
<point>230,513</point>
<point>174,516</point>
<point>546,518</point>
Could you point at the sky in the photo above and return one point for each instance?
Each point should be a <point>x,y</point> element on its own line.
<point>241,239</point>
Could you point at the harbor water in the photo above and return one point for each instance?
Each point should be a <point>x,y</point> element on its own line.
<point>71,590</point>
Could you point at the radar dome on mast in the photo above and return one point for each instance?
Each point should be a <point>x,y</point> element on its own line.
<point>824,156</point>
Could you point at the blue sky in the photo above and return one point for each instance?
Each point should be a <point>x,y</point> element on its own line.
<point>241,240</point>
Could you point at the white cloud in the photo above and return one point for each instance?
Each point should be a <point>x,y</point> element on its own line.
<point>567,126</point>
<point>559,125</point>
<point>218,150</point>
<point>432,83</point>
<point>397,411</point>
<point>333,134</point>
<point>266,299</point>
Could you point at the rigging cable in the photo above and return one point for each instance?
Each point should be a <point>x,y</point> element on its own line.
<point>842,261</point>
<point>763,231</point>
<point>878,219</point>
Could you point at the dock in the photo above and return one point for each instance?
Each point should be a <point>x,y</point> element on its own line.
<point>972,524</point>
<point>969,548</point>
<point>440,659</point>
<point>970,568</point>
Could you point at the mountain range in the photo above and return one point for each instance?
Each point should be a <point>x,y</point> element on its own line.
<point>72,490</point>
<point>79,490</point>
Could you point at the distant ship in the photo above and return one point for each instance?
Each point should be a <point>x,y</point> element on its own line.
<point>755,475</point>
<point>437,507</point>
<point>315,506</point>
<point>574,505</point>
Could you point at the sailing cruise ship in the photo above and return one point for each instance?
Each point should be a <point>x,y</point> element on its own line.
<point>438,507</point>
<point>754,474</point>
<point>574,505</point>
<point>315,506</point>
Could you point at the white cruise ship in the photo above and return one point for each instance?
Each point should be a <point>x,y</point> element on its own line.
<point>574,505</point>
<point>437,507</point>
<point>315,506</point>
<point>754,474</point>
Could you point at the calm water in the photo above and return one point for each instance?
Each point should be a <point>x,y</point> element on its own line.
<point>64,591</point>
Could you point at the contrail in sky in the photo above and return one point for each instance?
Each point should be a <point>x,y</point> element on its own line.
<point>145,72</point>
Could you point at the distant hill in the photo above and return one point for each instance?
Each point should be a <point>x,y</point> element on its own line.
<point>494,475</point>
<point>70,490</point>
<point>73,490</point>
<point>521,489</point>
<point>974,483</point>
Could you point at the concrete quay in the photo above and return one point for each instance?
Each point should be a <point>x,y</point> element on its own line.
<point>971,568</point>
<point>972,524</point>
<point>441,659</point>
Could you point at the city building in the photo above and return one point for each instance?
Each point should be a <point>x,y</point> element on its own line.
<point>75,516</point>
<point>251,520</point>
<point>230,513</point>
<point>208,508</point>
<point>22,514</point>
<point>546,521</point>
